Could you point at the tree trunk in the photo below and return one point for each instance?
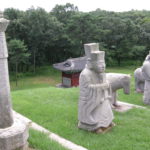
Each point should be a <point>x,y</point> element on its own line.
<point>81,48</point>
<point>16,74</point>
<point>34,61</point>
<point>119,61</point>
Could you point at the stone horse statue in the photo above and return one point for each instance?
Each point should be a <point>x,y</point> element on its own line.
<point>139,80</point>
<point>118,81</point>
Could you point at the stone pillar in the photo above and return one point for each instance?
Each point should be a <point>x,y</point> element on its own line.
<point>13,132</point>
<point>6,118</point>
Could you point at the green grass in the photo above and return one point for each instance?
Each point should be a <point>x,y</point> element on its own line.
<point>56,110</point>
<point>45,76</point>
<point>41,141</point>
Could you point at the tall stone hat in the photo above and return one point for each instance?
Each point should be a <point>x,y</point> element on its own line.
<point>89,48</point>
<point>98,56</point>
<point>92,52</point>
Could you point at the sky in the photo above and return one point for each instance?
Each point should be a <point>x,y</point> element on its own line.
<point>83,5</point>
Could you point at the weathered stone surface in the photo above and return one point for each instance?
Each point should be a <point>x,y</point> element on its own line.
<point>5,104</point>
<point>13,134</point>
<point>140,75</point>
<point>118,81</point>
<point>94,109</point>
<point>146,75</point>
<point>142,79</point>
<point>122,107</point>
<point>3,23</point>
<point>3,47</point>
<point>139,80</point>
<point>14,137</point>
<point>6,118</point>
<point>89,48</point>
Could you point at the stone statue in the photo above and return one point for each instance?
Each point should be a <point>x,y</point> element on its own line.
<point>13,133</point>
<point>139,77</point>
<point>118,81</point>
<point>94,112</point>
<point>139,80</point>
<point>146,75</point>
<point>6,118</point>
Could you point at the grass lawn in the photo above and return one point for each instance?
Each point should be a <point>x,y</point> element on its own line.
<point>45,76</point>
<point>40,141</point>
<point>56,109</point>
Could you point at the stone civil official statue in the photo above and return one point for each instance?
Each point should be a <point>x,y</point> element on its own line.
<point>94,112</point>
<point>146,75</point>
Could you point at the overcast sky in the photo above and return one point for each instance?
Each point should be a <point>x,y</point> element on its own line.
<point>83,5</point>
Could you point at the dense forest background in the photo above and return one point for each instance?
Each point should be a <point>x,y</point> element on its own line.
<point>36,37</point>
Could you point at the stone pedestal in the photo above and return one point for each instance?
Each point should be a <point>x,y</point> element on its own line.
<point>14,137</point>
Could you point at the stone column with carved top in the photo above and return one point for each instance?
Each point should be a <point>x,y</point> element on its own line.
<point>13,132</point>
<point>6,118</point>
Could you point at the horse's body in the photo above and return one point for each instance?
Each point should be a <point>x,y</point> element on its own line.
<point>118,81</point>
<point>139,80</point>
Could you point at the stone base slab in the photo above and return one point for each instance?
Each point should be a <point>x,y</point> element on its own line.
<point>122,108</point>
<point>14,137</point>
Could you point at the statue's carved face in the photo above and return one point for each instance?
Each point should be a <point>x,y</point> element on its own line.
<point>98,66</point>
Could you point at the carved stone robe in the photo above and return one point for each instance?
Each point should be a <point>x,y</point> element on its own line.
<point>94,109</point>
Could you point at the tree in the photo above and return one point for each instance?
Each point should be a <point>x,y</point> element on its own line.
<point>16,28</point>
<point>43,33</point>
<point>64,12</point>
<point>81,29</point>
<point>138,53</point>
<point>60,34</point>
<point>18,54</point>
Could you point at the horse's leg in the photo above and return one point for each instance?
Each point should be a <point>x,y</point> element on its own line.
<point>141,85</point>
<point>113,97</point>
<point>136,84</point>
